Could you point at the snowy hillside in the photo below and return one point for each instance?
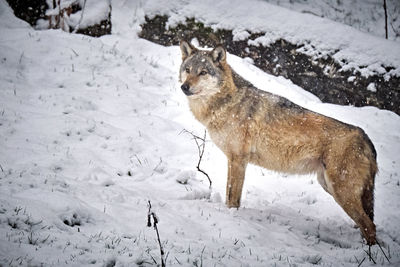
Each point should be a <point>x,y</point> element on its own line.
<point>91,130</point>
<point>367,16</point>
<point>317,37</point>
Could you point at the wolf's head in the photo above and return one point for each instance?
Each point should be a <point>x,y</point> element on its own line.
<point>202,72</point>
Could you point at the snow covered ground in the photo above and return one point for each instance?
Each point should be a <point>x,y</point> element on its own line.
<point>91,130</point>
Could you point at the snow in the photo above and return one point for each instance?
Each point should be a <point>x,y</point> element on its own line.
<point>352,49</point>
<point>91,130</point>
<point>95,11</point>
<point>371,87</point>
<point>367,16</point>
<point>240,35</point>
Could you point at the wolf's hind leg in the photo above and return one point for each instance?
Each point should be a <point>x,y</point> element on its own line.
<point>349,195</point>
<point>236,172</point>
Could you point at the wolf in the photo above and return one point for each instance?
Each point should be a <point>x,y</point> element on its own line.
<point>253,126</point>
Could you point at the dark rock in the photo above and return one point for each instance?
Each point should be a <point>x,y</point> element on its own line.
<point>29,10</point>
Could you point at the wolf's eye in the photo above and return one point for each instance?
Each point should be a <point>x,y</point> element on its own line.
<point>203,72</point>
<point>187,70</point>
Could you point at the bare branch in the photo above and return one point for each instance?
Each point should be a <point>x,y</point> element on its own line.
<point>370,254</point>
<point>80,20</point>
<point>361,262</point>
<point>201,145</point>
<point>387,258</point>
<point>151,215</point>
<point>386,19</point>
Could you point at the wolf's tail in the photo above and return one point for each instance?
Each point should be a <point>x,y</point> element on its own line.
<point>368,193</point>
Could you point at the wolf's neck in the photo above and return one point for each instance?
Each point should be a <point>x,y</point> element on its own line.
<point>208,109</point>
<point>214,107</point>
<point>239,81</point>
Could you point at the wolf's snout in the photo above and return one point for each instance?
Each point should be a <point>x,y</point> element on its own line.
<point>185,88</point>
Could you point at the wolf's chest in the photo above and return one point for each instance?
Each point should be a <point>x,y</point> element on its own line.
<point>229,134</point>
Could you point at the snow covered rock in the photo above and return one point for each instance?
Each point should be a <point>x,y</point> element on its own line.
<point>90,17</point>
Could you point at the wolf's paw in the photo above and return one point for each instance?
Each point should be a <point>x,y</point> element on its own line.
<point>371,239</point>
<point>231,205</point>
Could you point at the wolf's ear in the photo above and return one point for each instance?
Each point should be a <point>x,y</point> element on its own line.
<point>187,49</point>
<point>219,54</point>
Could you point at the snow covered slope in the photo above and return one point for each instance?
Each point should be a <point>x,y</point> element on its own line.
<point>367,16</point>
<point>91,130</point>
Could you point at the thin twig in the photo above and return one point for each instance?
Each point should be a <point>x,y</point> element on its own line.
<point>151,215</point>
<point>59,15</point>
<point>200,148</point>
<point>361,262</point>
<point>370,254</point>
<point>178,261</point>
<point>383,251</point>
<point>80,20</point>
<point>201,257</point>
<point>158,165</point>
<point>20,58</point>
<point>76,54</point>
<point>386,19</point>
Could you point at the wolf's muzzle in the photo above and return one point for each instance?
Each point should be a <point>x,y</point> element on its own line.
<point>186,89</point>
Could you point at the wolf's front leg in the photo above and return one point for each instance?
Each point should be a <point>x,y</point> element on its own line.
<point>236,171</point>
